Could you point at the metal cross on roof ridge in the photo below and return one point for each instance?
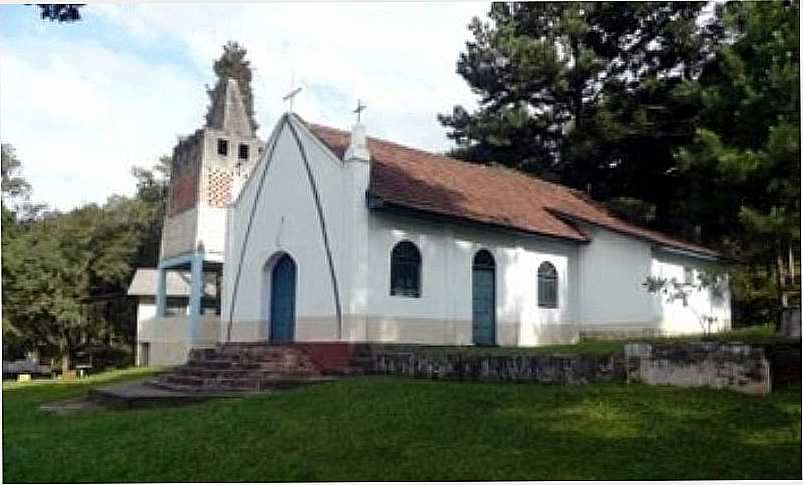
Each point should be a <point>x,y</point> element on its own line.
<point>290,96</point>
<point>360,108</point>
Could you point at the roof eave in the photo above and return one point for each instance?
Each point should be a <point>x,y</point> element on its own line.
<point>378,203</point>
<point>686,252</point>
<point>707,254</point>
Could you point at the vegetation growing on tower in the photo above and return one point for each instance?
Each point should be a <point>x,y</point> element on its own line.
<point>232,64</point>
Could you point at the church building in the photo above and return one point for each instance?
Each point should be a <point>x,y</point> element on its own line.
<point>323,235</point>
<point>340,237</point>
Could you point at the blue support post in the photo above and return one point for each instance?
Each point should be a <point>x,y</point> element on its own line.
<point>196,292</point>
<point>161,289</point>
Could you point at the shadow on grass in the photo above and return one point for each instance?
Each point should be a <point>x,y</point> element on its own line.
<point>381,428</point>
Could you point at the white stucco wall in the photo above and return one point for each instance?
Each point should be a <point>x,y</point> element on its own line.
<point>179,233</point>
<point>212,230</point>
<point>443,313</point>
<point>146,309</point>
<point>679,318</point>
<point>287,221</point>
<point>613,268</point>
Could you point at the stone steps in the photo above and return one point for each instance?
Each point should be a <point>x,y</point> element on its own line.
<point>338,358</point>
<point>257,366</point>
<point>241,367</point>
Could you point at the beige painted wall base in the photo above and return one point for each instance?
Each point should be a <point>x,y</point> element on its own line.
<point>167,339</point>
<point>389,329</point>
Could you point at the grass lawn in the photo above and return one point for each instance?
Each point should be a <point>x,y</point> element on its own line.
<point>384,428</point>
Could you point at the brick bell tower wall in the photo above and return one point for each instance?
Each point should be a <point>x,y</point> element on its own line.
<point>187,157</point>
<point>180,228</point>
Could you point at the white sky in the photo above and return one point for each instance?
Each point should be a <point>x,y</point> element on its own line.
<point>84,102</point>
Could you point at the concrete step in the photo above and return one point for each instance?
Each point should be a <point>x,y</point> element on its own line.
<point>194,389</point>
<point>207,386</point>
<point>220,364</point>
<point>242,373</point>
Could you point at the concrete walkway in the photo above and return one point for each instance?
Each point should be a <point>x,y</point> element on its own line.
<point>141,393</point>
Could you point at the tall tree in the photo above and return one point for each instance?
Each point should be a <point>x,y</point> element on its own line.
<point>18,215</point>
<point>14,186</point>
<point>232,64</point>
<point>743,168</point>
<point>148,208</point>
<point>582,92</point>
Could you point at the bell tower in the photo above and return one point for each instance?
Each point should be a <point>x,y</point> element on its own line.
<point>208,168</point>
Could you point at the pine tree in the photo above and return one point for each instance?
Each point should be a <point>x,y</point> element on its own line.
<point>232,64</point>
<point>744,164</point>
<point>584,93</point>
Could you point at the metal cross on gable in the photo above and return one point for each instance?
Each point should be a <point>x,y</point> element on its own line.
<point>292,94</point>
<point>360,108</point>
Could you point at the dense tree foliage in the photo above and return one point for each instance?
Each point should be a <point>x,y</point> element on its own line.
<point>150,206</point>
<point>579,92</point>
<point>743,167</point>
<point>678,115</point>
<point>232,64</point>
<point>14,186</point>
<point>65,274</point>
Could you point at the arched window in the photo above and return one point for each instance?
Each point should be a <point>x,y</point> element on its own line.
<point>547,285</point>
<point>405,270</point>
<point>484,260</point>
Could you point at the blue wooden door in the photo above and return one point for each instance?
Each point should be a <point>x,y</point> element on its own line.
<point>483,289</point>
<point>283,301</point>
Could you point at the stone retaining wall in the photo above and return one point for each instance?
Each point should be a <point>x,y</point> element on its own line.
<point>738,367</point>
<point>561,369</point>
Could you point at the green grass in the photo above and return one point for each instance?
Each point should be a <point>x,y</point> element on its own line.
<point>383,428</point>
<point>757,334</point>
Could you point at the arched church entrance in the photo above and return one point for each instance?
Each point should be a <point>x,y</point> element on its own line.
<point>283,300</point>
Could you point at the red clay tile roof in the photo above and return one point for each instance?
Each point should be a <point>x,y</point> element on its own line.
<point>416,179</point>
